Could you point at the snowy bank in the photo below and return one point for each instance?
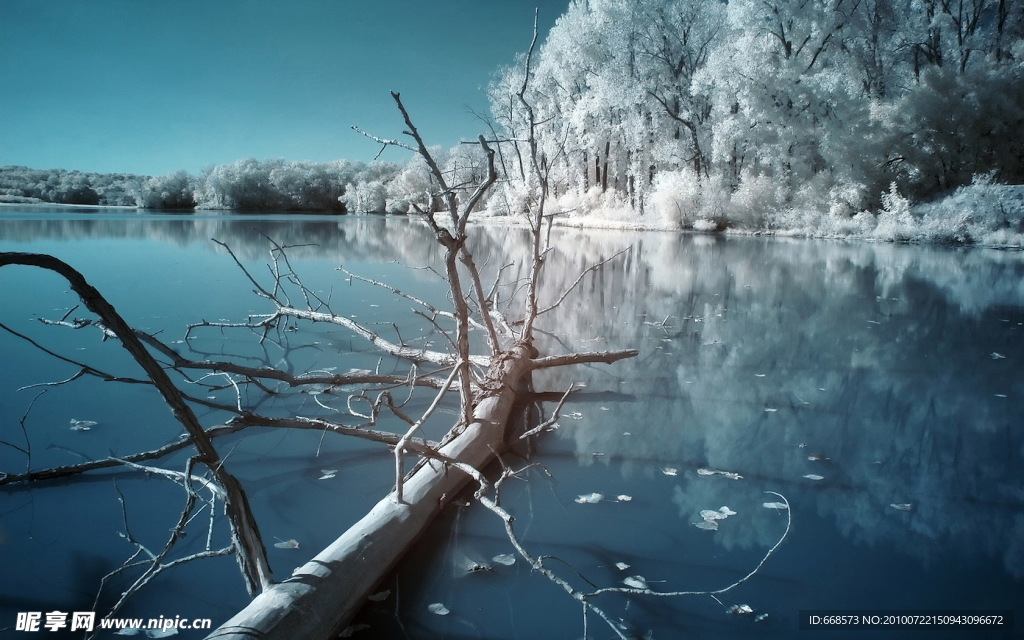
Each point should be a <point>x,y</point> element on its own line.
<point>982,214</point>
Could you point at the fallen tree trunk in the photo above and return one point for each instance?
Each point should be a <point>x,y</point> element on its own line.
<point>322,596</point>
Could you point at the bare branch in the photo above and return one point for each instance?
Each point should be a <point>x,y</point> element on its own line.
<point>383,141</point>
<point>398,351</point>
<point>607,357</point>
<point>270,373</point>
<point>550,422</point>
<point>400,447</point>
<point>252,558</point>
<point>579,279</point>
<point>87,369</point>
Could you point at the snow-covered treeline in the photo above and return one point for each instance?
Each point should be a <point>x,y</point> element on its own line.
<point>824,117</point>
<point>340,186</point>
<point>247,185</point>
<point>24,185</point>
<point>753,112</point>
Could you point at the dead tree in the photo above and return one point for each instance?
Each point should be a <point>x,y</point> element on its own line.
<point>322,596</point>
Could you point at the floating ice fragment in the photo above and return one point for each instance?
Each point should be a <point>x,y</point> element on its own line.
<point>380,596</point>
<point>621,566</point>
<point>128,631</point>
<point>506,559</point>
<point>82,425</point>
<point>740,610</point>
<point>328,474</point>
<point>718,472</point>
<point>770,410</point>
<point>575,415</point>
<point>775,505</point>
<point>669,471</point>
<point>760,375</point>
<point>999,395</point>
<point>712,516</point>
<point>162,633</point>
<point>635,582</point>
<point>438,608</point>
<point>818,457</point>
<point>623,498</point>
<point>759,617</point>
<point>997,356</point>
<point>590,498</point>
<point>709,525</point>
<point>813,476</point>
<point>287,544</point>
<point>902,506</point>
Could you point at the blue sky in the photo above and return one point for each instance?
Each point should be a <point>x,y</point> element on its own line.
<point>153,86</point>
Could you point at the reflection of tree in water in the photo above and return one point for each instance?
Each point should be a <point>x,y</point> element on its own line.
<point>348,238</point>
<point>890,361</point>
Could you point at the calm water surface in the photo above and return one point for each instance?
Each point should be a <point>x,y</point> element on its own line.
<point>892,373</point>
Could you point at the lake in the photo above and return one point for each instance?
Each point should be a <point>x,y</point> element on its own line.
<point>877,387</point>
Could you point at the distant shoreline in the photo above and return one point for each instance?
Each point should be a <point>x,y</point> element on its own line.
<point>63,205</point>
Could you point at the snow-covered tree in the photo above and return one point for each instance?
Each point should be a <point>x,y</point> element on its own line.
<point>172,191</point>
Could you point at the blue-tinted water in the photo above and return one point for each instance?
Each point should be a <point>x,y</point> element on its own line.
<point>896,368</point>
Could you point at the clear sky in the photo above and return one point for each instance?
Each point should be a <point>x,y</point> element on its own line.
<point>153,86</point>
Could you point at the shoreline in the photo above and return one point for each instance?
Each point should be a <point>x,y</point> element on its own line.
<point>63,205</point>
<point>920,227</point>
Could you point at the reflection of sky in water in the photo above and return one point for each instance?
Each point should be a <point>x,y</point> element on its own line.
<point>896,367</point>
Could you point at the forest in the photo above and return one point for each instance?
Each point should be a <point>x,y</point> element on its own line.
<point>824,117</point>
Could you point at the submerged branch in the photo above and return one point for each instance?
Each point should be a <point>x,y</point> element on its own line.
<point>712,592</point>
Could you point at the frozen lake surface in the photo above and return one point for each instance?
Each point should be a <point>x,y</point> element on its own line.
<point>877,387</point>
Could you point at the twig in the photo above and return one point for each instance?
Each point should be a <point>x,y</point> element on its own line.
<point>579,279</point>
<point>84,367</point>
<point>400,446</point>
<point>554,415</point>
<point>27,449</point>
